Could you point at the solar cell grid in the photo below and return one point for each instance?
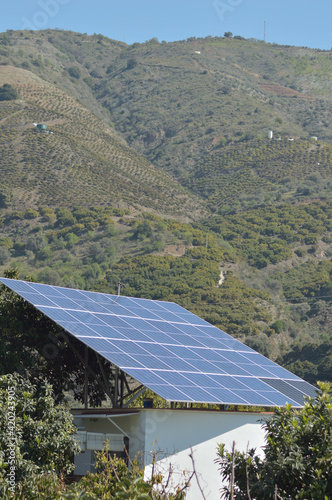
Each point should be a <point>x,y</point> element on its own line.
<point>228,397</point>
<point>113,321</point>
<point>144,313</point>
<point>125,361</point>
<point>229,367</point>
<point>186,340</point>
<point>57,315</point>
<point>224,380</point>
<point>170,393</point>
<point>127,302</point>
<point>179,364</point>
<point>118,310</point>
<point>18,286</point>
<point>202,380</point>
<point>208,354</point>
<point>108,332</point>
<point>279,399</point>
<point>48,291</point>
<point>168,306</point>
<point>140,324</point>
<point>212,332</point>
<point>285,388</point>
<point>235,357</point>
<point>199,394</point>
<point>279,372</point>
<point>98,344</point>
<point>254,383</point>
<point>169,349</point>
<point>252,397</point>
<point>145,376</point>
<point>94,307</point>
<point>85,317</point>
<point>303,386</point>
<point>236,345</point>
<point>66,293</point>
<point>133,334</point>
<point>256,370</point>
<point>166,327</point>
<point>128,347</point>
<point>174,378</point>
<point>190,330</point>
<point>205,366</point>
<point>192,319</point>
<point>184,352</point>
<point>155,349</point>
<point>151,362</point>
<point>254,357</point>
<point>65,303</point>
<point>160,337</point>
<point>39,300</point>
<point>211,343</point>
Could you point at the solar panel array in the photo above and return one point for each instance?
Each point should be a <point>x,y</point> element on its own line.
<point>171,351</point>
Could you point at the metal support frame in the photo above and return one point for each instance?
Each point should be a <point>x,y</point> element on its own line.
<point>94,375</point>
<point>116,387</point>
<point>86,388</point>
<point>140,389</point>
<point>118,427</point>
<point>121,389</point>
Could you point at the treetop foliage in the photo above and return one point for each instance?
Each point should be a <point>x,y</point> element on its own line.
<point>43,432</point>
<point>8,92</point>
<point>297,461</point>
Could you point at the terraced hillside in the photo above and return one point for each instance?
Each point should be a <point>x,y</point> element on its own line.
<point>180,103</point>
<point>263,170</point>
<point>81,161</point>
<point>207,93</point>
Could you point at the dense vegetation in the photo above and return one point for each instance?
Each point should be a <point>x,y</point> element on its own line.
<point>37,447</point>
<point>8,93</point>
<point>297,462</point>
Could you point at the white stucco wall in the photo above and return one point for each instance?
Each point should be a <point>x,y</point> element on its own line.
<point>171,433</point>
<point>177,431</point>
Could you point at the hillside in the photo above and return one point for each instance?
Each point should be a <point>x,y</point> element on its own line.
<point>159,173</point>
<point>81,161</point>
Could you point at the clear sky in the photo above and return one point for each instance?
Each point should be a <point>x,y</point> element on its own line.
<point>292,22</point>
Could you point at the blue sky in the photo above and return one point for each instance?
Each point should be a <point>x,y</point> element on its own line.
<point>292,22</point>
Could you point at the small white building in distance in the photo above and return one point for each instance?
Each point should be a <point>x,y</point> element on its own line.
<point>181,358</point>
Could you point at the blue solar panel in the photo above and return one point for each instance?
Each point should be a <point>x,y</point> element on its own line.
<point>155,349</point>
<point>171,393</point>
<point>179,364</point>
<point>176,354</point>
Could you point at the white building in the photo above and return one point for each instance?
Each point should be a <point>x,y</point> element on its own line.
<point>174,435</point>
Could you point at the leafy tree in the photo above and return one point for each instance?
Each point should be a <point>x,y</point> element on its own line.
<point>115,479</point>
<point>8,93</point>
<point>36,435</point>
<point>132,63</point>
<point>298,456</point>
<point>74,72</point>
<point>4,255</point>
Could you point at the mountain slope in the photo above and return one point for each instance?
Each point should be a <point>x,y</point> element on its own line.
<point>81,162</point>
